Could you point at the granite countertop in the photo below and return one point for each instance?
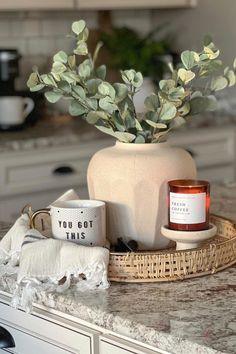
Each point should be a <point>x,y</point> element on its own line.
<point>51,131</point>
<point>59,130</point>
<point>188,317</point>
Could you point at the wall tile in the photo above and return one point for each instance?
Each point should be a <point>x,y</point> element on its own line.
<point>4,28</point>
<point>51,27</point>
<point>41,46</point>
<point>25,28</point>
<point>12,43</point>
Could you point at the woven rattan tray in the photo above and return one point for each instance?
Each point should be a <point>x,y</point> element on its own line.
<point>168,265</point>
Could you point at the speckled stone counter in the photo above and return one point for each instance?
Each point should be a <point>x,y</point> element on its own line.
<point>188,317</point>
<point>48,132</point>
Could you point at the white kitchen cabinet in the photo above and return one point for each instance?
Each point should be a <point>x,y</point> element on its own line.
<point>44,333</point>
<point>52,332</point>
<point>39,176</point>
<point>36,5</point>
<point>213,149</point>
<point>109,344</point>
<point>123,4</point>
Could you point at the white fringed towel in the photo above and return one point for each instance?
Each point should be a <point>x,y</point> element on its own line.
<point>46,264</point>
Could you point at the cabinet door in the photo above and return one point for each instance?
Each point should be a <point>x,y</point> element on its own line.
<point>122,4</point>
<point>36,5</point>
<point>46,333</point>
<point>110,344</point>
<point>26,344</point>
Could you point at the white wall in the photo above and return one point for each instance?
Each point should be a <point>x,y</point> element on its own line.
<point>39,35</point>
<point>216,17</point>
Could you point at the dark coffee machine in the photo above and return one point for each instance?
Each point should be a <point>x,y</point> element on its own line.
<point>9,71</point>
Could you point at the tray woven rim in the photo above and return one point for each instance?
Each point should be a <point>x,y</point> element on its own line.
<point>171,265</point>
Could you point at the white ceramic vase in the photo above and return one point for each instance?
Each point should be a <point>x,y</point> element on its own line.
<point>132,180</point>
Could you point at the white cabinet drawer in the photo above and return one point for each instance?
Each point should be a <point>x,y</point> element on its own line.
<point>26,344</point>
<point>109,344</point>
<point>209,147</point>
<point>47,328</point>
<point>46,169</point>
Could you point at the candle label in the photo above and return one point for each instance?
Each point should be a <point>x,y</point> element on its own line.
<point>187,208</point>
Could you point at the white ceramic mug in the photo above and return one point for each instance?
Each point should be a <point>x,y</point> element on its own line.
<point>80,221</point>
<point>14,109</point>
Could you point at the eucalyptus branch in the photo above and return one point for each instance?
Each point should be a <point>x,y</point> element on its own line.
<point>111,108</point>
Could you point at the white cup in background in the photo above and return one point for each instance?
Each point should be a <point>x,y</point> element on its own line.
<point>80,221</point>
<point>14,109</point>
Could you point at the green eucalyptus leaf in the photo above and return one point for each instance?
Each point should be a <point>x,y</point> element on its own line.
<point>185,109</point>
<point>70,77</point>
<point>211,54</point>
<point>166,85</point>
<point>132,77</point>
<point>234,63</point>
<point>231,78</point>
<point>78,26</point>
<point>176,93</point>
<point>167,111</point>
<point>92,85</point>
<point>64,86</point>
<point>81,49</point>
<point>121,92</point>
<point>156,125</point>
<point>186,75</point>
<point>48,80</point>
<point>33,80</point>
<point>92,103</point>
<point>58,68</point>
<point>107,104</point>
<point>202,104</point>
<point>84,70</point>
<point>101,72</point>
<point>37,87</point>
<point>140,139</point>
<point>138,125</point>
<point>106,89</point>
<point>71,62</point>
<point>94,116</point>
<point>83,36</point>
<point>79,91</point>
<point>188,59</point>
<point>153,116</point>
<point>219,83</point>
<point>57,77</point>
<point>76,108</point>
<point>125,137</point>
<point>60,57</point>
<point>138,80</point>
<point>152,102</point>
<point>52,96</point>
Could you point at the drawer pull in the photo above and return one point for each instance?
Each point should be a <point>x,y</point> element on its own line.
<point>64,170</point>
<point>6,339</point>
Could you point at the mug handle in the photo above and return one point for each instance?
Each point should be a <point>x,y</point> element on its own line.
<point>29,106</point>
<point>35,214</point>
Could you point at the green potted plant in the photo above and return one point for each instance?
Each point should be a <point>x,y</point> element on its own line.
<point>144,53</point>
<point>147,54</point>
<point>131,176</point>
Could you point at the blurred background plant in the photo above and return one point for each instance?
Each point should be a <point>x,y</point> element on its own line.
<point>148,54</point>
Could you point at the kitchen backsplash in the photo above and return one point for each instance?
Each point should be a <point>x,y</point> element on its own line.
<point>38,35</point>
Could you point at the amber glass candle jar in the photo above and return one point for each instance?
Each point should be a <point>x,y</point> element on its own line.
<point>188,205</point>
